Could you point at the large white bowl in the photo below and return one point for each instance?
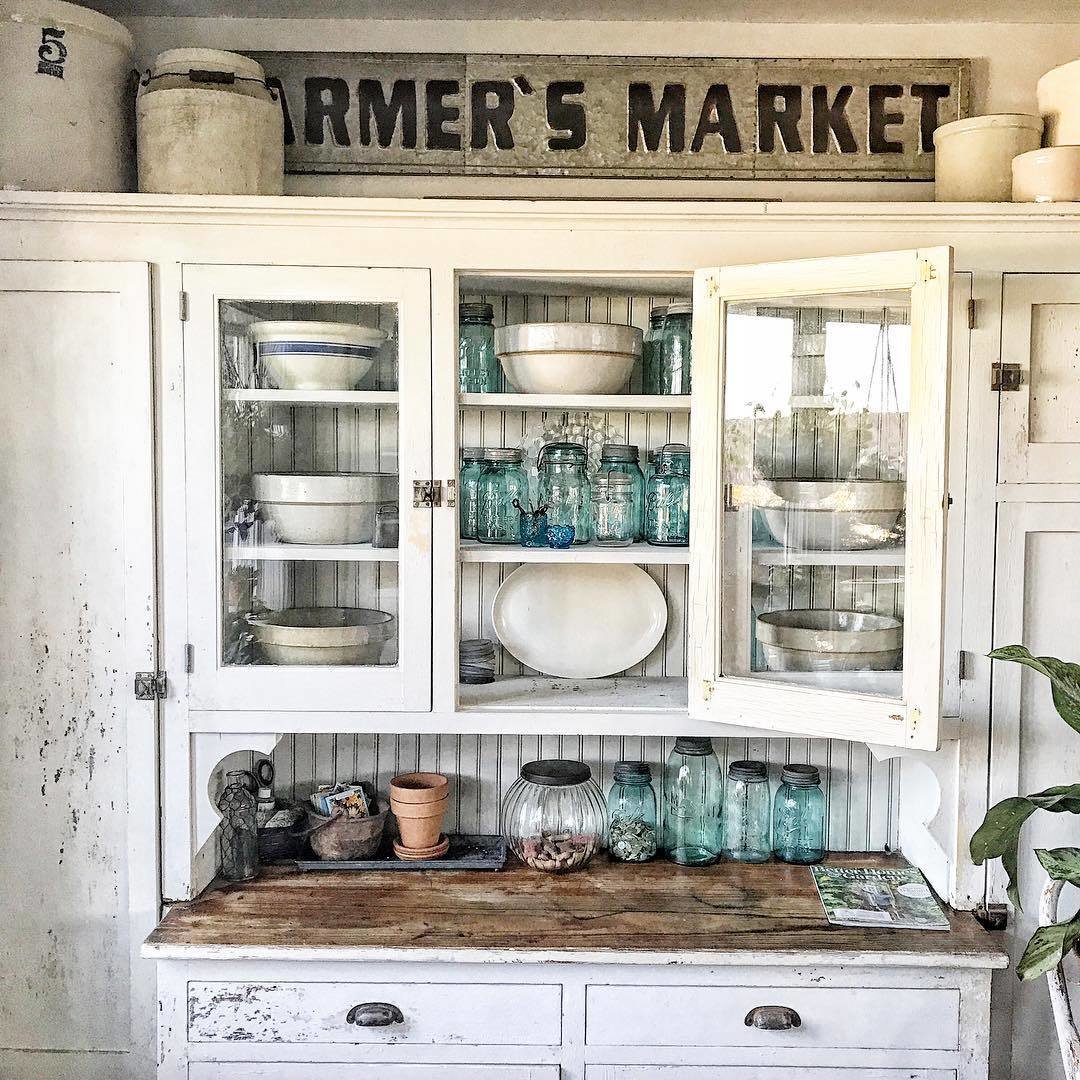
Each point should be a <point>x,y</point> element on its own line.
<point>1058,93</point>
<point>813,639</point>
<point>832,515</point>
<point>316,355</point>
<point>579,621</point>
<point>973,156</point>
<point>311,508</point>
<point>568,358</point>
<point>323,636</point>
<point>1051,174</point>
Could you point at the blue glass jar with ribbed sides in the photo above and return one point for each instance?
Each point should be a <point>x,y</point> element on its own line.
<point>564,487</point>
<point>747,812</point>
<point>652,344</point>
<point>622,458</point>
<point>667,500</point>
<point>501,483</point>
<point>478,366</point>
<point>693,796</point>
<point>799,816</point>
<point>472,463</point>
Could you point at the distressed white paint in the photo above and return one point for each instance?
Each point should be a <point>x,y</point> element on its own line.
<point>78,863</point>
<point>752,1072</point>
<point>291,1071</point>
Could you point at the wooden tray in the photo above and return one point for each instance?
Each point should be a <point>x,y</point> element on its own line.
<point>467,852</point>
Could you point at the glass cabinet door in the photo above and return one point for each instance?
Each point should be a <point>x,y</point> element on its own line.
<point>308,416</point>
<point>820,417</point>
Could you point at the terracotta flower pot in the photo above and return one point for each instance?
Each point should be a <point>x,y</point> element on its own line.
<point>419,787</point>
<point>420,824</point>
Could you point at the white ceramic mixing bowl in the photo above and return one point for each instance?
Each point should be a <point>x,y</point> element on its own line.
<point>313,508</point>
<point>832,515</point>
<point>315,355</point>
<point>813,639</point>
<point>323,636</point>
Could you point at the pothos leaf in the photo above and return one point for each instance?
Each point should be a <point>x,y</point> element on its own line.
<point>1062,864</point>
<point>1046,948</point>
<point>1064,679</point>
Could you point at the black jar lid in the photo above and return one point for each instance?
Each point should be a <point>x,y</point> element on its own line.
<point>692,745</point>
<point>632,772</point>
<point>800,775</point>
<point>748,770</point>
<point>556,772</point>
<point>476,312</point>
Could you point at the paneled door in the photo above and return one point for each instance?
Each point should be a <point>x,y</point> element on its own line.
<point>818,495</point>
<point>78,864</point>
<point>1040,418</point>
<point>308,430</point>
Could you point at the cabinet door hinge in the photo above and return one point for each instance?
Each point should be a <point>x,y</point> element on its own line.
<point>972,306</point>
<point>189,659</point>
<point>451,493</point>
<point>1006,377</point>
<point>962,666</point>
<point>183,306</point>
<point>150,685</point>
<point>427,493</point>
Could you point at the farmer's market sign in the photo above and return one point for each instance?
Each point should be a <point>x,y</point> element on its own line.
<point>614,116</point>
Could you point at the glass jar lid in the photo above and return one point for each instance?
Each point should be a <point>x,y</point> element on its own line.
<point>556,772</point>
<point>564,453</point>
<point>632,772</point>
<point>693,746</point>
<point>475,313</point>
<point>752,771</point>
<point>472,453</point>
<point>612,482</point>
<point>682,307</point>
<point>800,775</point>
<point>618,452</point>
<point>505,455</point>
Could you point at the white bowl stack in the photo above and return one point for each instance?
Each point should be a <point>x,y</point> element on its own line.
<point>1052,173</point>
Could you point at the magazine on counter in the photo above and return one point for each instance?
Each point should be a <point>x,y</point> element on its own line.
<point>869,896</point>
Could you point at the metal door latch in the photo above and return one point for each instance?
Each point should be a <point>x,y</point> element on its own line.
<point>1006,377</point>
<point>427,493</point>
<point>150,685</point>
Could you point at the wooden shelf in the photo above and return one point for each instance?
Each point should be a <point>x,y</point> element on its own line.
<point>539,693</point>
<point>778,556</point>
<point>310,553</point>
<point>580,402</point>
<point>471,551</point>
<point>380,398</point>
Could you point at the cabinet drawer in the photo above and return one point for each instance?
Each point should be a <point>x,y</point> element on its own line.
<point>472,1014</point>
<point>277,1070</point>
<point>753,1072</point>
<point>840,1018</point>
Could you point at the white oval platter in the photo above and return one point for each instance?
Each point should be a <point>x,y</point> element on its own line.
<point>579,620</point>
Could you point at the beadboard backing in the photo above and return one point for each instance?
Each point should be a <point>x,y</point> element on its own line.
<point>862,794</point>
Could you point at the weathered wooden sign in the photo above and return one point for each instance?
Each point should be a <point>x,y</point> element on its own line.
<point>614,116</point>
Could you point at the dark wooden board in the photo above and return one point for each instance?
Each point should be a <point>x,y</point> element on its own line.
<point>467,852</point>
<point>656,907</point>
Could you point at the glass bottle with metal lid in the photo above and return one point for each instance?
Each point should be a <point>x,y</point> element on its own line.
<point>632,813</point>
<point>747,812</point>
<point>693,793</point>
<point>472,460</point>
<point>651,348</point>
<point>621,458</point>
<point>667,501</point>
<point>799,816</point>
<point>564,487</point>
<point>502,480</point>
<point>613,517</point>
<point>673,370</point>
<point>478,366</point>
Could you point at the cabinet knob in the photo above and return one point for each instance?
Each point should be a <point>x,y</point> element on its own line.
<point>773,1018</point>
<point>375,1014</point>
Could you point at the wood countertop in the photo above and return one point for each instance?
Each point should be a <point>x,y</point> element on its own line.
<point>727,914</point>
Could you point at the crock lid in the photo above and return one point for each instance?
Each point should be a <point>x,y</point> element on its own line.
<point>181,61</point>
<point>1027,121</point>
<point>693,745</point>
<point>800,775</point>
<point>556,772</point>
<point>748,770</point>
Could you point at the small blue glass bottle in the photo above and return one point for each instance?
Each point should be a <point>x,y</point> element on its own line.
<point>478,366</point>
<point>632,813</point>
<point>667,502</point>
<point>693,793</point>
<point>502,480</point>
<point>799,816</point>
<point>747,812</point>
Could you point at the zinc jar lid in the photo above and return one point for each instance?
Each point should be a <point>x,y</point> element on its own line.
<point>473,453</point>
<point>556,772</point>
<point>476,312</point>
<point>510,454</point>
<point>693,745</point>
<point>619,452</point>
<point>748,770</point>
<point>681,308</point>
<point>658,312</point>
<point>800,775</point>
<point>632,772</point>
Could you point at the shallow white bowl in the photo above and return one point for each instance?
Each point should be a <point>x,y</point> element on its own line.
<point>822,639</point>
<point>315,355</point>
<point>323,636</point>
<point>309,508</point>
<point>1051,174</point>
<point>568,358</point>
<point>832,515</point>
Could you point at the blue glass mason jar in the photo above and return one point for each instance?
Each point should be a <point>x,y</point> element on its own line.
<point>651,348</point>
<point>799,816</point>
<point>472,461</point>
<point>613,518</point>
<point>667,501</point>
<point>693,793</point>
<point>502,480</point>
<point>747,812</point>
<point>620,458</point>
<point>478,366</point>
<point>631,806</point>
<point>673,371</point>
<point>564,487</point>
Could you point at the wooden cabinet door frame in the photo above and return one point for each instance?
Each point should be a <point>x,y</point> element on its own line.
<point>912,720</point>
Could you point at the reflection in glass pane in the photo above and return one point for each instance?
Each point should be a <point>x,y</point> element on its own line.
<point>815,450</point>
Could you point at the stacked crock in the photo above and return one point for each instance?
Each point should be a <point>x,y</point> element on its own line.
<point>208,124</point>
<point>1052,173</point>
<point>419,801</point>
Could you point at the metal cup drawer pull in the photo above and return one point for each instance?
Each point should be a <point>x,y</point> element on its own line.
<point>773,1018</point>
<point>376,1014</point>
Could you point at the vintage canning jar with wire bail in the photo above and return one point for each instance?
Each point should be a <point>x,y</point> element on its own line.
<point>622,458</point>
<point>564,487</point>
<point>554,815</point>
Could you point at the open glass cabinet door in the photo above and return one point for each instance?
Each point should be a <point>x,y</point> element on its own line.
<point>818,494</point>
